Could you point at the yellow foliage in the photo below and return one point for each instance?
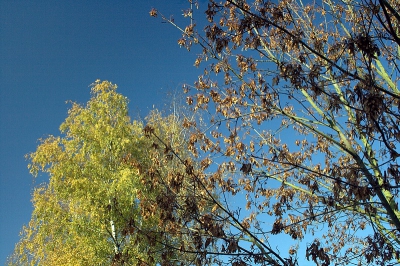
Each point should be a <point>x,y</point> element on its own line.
<point>80,216</point>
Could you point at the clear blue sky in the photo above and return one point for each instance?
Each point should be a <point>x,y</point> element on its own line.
<point>50,51</point>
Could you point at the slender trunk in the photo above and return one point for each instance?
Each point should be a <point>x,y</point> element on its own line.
<point>114,236</point>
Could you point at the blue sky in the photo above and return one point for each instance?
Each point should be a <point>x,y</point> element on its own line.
<point>50,52</point>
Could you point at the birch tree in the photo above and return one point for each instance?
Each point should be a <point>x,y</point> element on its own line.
<point>98,206</point>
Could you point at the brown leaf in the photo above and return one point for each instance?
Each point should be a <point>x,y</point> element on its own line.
<point>246,168</point>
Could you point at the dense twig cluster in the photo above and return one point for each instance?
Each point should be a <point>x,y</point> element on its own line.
<point>304,102</point>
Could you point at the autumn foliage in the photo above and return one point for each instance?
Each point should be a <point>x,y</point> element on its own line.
<point>303,105</point>
<point>288,154</point>
<point>106,201</point>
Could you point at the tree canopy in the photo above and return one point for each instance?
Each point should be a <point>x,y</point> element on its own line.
<point>303,100</point>
<point>98,206</point>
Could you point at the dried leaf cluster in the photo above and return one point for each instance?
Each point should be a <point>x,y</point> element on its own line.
<point>303,106</point>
